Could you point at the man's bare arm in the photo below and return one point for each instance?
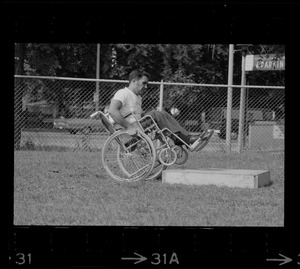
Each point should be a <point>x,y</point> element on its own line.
<point>114,112</point>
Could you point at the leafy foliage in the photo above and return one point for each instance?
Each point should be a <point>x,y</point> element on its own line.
<point>171,62</point>
<point>185,63</point>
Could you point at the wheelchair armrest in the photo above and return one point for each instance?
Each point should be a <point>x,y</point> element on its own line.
<point>106,122</point>
<point>129,114</point>
<point>95,114</point>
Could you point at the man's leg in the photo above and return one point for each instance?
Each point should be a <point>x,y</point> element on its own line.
<point>165,120</point>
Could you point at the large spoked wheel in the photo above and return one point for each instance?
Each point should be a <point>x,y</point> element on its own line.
<point>127,158</point>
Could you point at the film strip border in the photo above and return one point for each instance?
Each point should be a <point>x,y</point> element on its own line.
<point>111,247</point>
<point>86,22</point>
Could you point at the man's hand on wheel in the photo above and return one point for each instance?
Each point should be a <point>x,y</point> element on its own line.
<point>131,130</point>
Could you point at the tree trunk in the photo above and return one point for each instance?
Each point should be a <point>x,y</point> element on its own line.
<point>19,118</point>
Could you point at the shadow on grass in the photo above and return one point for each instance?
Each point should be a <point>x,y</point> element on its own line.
<point>271,183</point>
<point>30,147</point>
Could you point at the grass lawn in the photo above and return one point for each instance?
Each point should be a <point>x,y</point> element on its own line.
<point>72,188</point>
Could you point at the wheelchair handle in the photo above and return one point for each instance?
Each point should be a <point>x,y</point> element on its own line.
<point>94,114</point>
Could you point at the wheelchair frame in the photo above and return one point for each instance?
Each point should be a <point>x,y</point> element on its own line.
<point>165,155</point>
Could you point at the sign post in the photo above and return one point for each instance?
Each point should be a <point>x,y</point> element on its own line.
<point>229,99</point>
<point>161,96</point>
<point>261,62</point>
<point>242,105</point>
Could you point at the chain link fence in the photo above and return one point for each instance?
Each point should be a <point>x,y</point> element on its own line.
<point>205,106</point>
<point>53,113</point>
<point>265,119</point>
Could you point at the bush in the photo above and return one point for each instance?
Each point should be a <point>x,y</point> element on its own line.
<point>28,145</point>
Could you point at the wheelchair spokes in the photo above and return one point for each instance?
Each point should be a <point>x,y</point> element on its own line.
<point>167,156</point>
<point>128,161</point>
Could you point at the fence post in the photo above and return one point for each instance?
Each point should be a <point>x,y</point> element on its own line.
<point>242,105</point>
<point>161,96</point>
<point>96,97</point>
<point>229,99</point>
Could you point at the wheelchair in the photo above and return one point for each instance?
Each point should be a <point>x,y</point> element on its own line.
<point>145,155</point>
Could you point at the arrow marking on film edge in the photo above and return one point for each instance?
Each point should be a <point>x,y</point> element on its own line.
<point>139,259</point>
<point>285,260</point>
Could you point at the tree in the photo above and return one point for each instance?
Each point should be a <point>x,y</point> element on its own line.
<point>146,57</point>
<point>194,63</point>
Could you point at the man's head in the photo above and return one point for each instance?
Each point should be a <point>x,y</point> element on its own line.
<point>138,81</point>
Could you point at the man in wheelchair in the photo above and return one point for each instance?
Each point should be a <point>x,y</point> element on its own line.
<point>128,100</point>
<point>142,146</point>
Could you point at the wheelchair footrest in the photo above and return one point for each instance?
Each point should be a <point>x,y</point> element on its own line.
<point>202,141</point>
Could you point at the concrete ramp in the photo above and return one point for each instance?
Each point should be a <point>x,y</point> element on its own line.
<point>220,177</point>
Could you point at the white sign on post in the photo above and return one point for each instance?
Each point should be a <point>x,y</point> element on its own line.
<point>265,62</point>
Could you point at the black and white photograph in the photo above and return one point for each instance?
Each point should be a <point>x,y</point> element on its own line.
<point>149,134</point>
<point>152,134</point>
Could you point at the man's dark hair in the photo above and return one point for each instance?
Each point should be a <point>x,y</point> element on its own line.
<point>137,74</point>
